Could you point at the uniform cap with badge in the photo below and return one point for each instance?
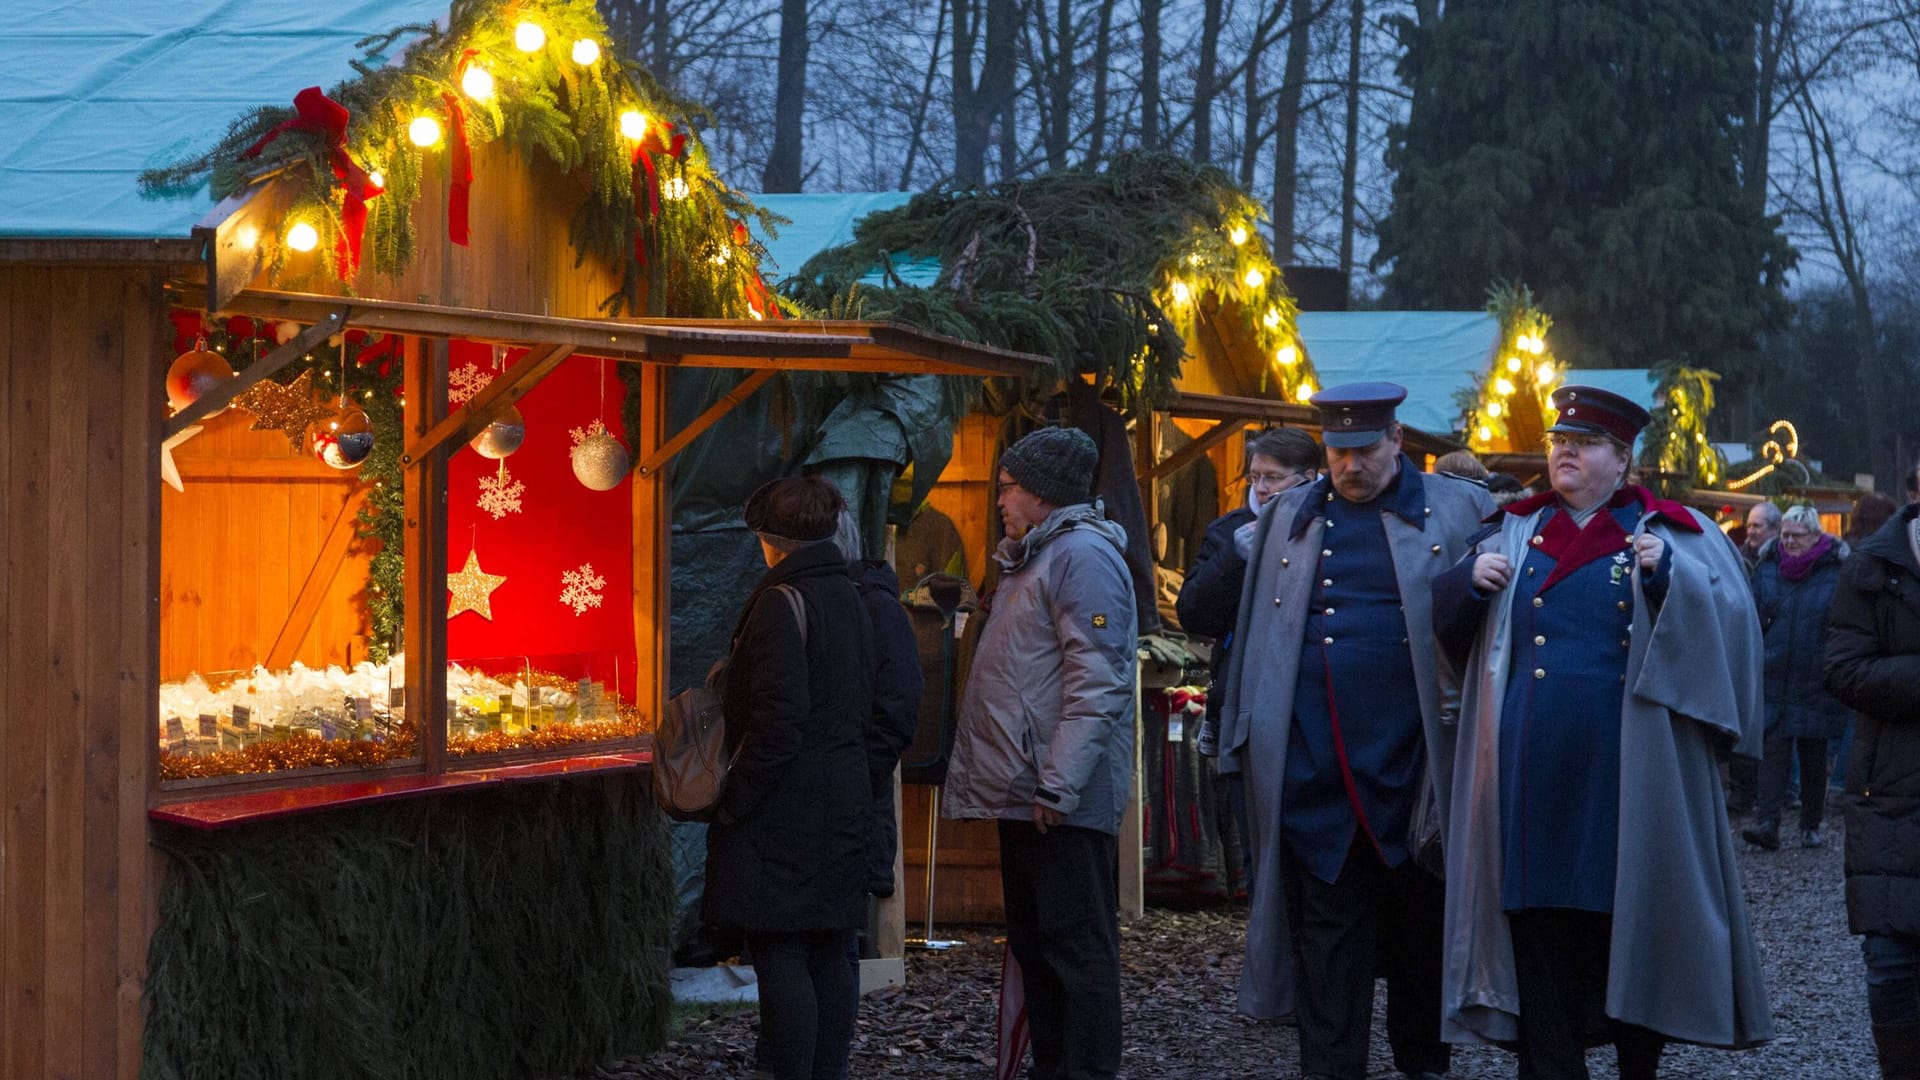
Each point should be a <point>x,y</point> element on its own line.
<point>1589,410</point>
<point>1357,414</point>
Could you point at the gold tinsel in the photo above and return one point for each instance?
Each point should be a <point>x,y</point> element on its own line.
<point>288,409</point>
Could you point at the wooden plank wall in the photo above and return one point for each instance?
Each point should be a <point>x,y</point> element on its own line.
<point>238,546</point>
<point>82,356</point>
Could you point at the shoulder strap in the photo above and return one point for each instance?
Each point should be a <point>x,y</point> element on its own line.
<point>799,606</point>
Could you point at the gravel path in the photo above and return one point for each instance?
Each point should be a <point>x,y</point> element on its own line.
<point>1180,970</point>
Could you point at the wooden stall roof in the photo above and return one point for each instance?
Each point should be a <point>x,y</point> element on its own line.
<point>812,345</point>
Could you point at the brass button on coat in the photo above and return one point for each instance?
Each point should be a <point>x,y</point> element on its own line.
<point>1539,639</point>
<point>1537,602</point>
<point>1539,673</point>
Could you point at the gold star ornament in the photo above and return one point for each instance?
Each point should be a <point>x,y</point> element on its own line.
<point>289,409</point>
<point>472,589</point>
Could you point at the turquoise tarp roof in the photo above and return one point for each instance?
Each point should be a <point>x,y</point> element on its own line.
<point>1634,384</point>
<point>1433,354</point>
<point>95,92</point>
<point>823,221</point>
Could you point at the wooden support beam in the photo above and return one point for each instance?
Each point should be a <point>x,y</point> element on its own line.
<point>424,483</point>
<point>215,400</point>
<point>1179,459</point>
<point>491,402</point>
<point>652,550</point>
<point>659,457</point>
<point>333,553</point>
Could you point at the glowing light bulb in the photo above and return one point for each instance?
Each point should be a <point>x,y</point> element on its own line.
<point>1287,355</point>
<point>1181,294</point>
<point>633,124</point>
<point>1271,318</point>
<point>586,51</point>
<point>477,82</point>
<point>1307,390</point>
<point>1254,278</point>
<point>1503,387</point>
<point>424,131</point>
<point>1237,235</point>
<point>1493,409</point>
<point>722,255</point>
<point>303,237</point>
<point>1536,344</point>
<point>1513,364</point>
<point>676,188</point>
<point>1485,433</point>
<point>1544,374</point>
<point>377,178</point>
<point>528,37</point>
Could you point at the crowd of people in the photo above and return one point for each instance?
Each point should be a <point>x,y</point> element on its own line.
<point>1484,747</point>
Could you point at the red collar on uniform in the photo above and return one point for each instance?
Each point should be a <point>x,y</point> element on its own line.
<point>1571,547</point>
<point>1672,512</point>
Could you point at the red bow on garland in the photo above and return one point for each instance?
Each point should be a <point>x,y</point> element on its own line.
<point>646,180</point>
<point>460,192</point>
<point>316,112</point>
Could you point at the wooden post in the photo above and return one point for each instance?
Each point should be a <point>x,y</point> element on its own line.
<point>424,483</point>
<point>652,549</point>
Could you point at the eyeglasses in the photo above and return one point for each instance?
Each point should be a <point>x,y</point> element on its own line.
<point>1560,439</point>
<point>1273,479</point>
<point>1796,535</point>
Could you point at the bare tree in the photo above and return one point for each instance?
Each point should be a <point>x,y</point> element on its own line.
<point>784,162</point>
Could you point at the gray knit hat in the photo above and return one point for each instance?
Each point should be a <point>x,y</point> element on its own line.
<point>1056,464</point>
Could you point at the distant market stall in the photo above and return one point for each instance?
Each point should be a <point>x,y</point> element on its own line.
<point>337,499</point>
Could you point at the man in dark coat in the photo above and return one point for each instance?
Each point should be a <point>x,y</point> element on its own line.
<point>1209,605</point>
<point>787,855</point>
<point>1334,700</point>
<point>1873,664</point>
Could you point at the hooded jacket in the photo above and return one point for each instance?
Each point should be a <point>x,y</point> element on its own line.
<point>1047,714</point>
<point>1873,664</point>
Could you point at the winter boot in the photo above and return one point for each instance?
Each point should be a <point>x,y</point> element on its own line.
<point>1764,833</point>
<point>1899,1046</point>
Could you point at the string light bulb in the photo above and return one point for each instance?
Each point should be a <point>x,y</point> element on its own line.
<point>1272,318</point>
<point>1513,364</point>
<point>1307,390</point>
<point>1493,409</point>
<point>1503,387</point>
<point>1181,294</point>
<point>1536,344</point>
<point>1287,355</point>
<point>1254,277</point>
<point>303,237</point>
<point>586,51</point>
<point>424,131</point>
<point>1544,373</point>
<point>675,189</point>
<point>376,178</point>
<point>528,37</point>
<point>633,124</point>
<point>477,82</point>
<point>1237,235</point>
<point>1485,433</point>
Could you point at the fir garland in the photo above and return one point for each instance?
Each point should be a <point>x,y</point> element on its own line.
<point>543,102</point>
<point>1674,450</point>
<point>1108,272</point>
<point>1523,364</point>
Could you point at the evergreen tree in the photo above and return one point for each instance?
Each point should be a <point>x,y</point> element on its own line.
<point>1590,150</point>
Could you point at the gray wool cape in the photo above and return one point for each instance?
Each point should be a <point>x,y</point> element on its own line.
<point>1682,955</point>
<point>1257,718</point>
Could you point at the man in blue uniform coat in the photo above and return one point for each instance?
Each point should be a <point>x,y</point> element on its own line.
<point>1331,709</point>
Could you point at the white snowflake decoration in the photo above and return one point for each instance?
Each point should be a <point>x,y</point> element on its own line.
<point>582,589</point>
<point>500,493</point>
<point>464,382</point>
<point>582,434</point>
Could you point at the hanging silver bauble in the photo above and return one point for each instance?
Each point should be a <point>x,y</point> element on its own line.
<point>344,440</point>
<point>502,437</point>
<point>600,462</point>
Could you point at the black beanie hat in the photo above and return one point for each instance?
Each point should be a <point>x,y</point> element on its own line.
<point>1056,464</point>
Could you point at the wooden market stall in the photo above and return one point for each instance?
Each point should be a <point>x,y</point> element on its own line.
<point>282,895</point>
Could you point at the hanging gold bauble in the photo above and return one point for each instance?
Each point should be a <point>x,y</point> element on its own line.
<point>600,462</point>
<point>194,374</point>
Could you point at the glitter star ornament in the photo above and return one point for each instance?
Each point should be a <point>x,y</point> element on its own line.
<point>288,409</point>
<point>472,589</point>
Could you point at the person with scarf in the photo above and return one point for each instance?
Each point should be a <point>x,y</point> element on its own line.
<point>1608,652</point>
<point>1793,587</point>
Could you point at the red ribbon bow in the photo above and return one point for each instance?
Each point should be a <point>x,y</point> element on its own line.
<point>316,112</point>
<point>460,193</point>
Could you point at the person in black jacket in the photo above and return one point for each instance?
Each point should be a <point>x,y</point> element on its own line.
<point>1209,604</point>
<point>1873,664</point>
<point>787,855</point>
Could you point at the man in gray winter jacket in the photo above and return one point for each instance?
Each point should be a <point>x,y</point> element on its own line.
<point>1045,746</point>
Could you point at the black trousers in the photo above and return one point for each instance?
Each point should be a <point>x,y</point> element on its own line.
<point>1560,960</point>
<point>807,1001</point>
<point>1370,921</point>
<point>1063,926</point>
<point>1774,774</point>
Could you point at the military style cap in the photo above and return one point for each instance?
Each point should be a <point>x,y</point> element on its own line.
<point>1357,414</point>
<point>1589,410</point>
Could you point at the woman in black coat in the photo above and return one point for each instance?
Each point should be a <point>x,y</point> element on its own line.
<point>787,855</point>
<point>1873,664</point>
<point>1793,584</point>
